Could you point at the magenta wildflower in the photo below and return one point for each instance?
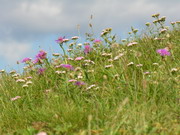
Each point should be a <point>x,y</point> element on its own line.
<point>26,60</point>
<point>37,60</point>
<point>67,66</point>
<point>163,52</point>
<point>97,41</point>
<point>60,40</point>
<point>41,71</point>
<point>87,49</point>
<point>41,55</point>
<point>79,83</point>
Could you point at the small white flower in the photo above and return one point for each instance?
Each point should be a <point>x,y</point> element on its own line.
<point>90,87</point>
<point>139,65</point>
<point>131,63</point>
<point>174,70</point>
<point>108,66</point>
<point>56,54</point>
<point>25,86</point>
<point>60,72</point>
<point>2,71</point>
<point>20,81</point>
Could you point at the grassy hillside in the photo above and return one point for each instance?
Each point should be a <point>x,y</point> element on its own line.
<point>101,87</point>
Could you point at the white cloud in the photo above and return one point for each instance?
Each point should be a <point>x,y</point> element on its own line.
<point>13,51</point>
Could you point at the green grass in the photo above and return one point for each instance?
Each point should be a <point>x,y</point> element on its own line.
<point>124,101</point>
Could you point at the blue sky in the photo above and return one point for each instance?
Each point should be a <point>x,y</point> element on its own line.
<point>29,25</point>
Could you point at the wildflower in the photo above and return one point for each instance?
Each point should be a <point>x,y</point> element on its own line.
<point>163,52</point>
<point>90,87</point>
<point>90,71</point>
<point>67,66</point>
<point>147,73</point>
<point>79,83</point>
<point>79,76</point>
<point>26,60</point>
<point>77,68</point>
<point>155,64</point>
<point>60,40</point>
<point>25,86</point>
<point>12,72</point>
<point>173,70</point>
<point>41,71</point>
<point>20,81</point>
<point>139,65</point>
<point>42,133</point>
<point>37,61</point>
<point>163,30</point>
<point>70,58</point>
<point>78,58</point>
<point>41,55</point>
<point>131,63</point>
<point>173,23</point>
<point>15,75</point>
<point>65,40</point>
<point>123,40</point>
<point>72,80</point>
<point>108,66</point>
<point>29,82</point>
<point>2,71</point>
<point>118,56</point>
<point>132,44</point>
<point>75,37</point>
<point>148,24</point>
<point>156,15</point>
<point>162,19</point>
<point>87,49</point>
<point>29,77</point>
<point>60,72</point>
<point>69,50</point>
<point>56,54</point>
<point>79,45</point>
<point>15,98</point>
<point>97,41</point>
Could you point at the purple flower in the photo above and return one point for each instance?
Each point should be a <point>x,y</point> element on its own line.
<point>41,55</point>
<point>163,52</point>
<point>97,41</point>
<point>41,71</point>
<point>37,60</point>
<point>87,49</point>
<point>67,66</point>
<point>26,60</point>
<point>79,83</point>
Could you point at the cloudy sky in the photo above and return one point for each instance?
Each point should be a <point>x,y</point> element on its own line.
<point>29,25</point>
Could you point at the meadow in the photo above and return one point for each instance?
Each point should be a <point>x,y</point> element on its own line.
<point>101,87</point>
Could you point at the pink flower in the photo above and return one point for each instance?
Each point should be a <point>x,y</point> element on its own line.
<point>72,80</point>
<point>41,55</point>
<point>26,60</point>
<point>15,98</point>
<point>41,71</point>
<point>36,61</point>
<point>97,41</point>
<point>79,83</point>
<point>163,52</point>
<point>67,66</point>
<point>87,49</point>
<point>79,58</point>
<point>60,40</point>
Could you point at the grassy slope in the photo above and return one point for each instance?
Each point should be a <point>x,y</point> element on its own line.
<point>127,101</point>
